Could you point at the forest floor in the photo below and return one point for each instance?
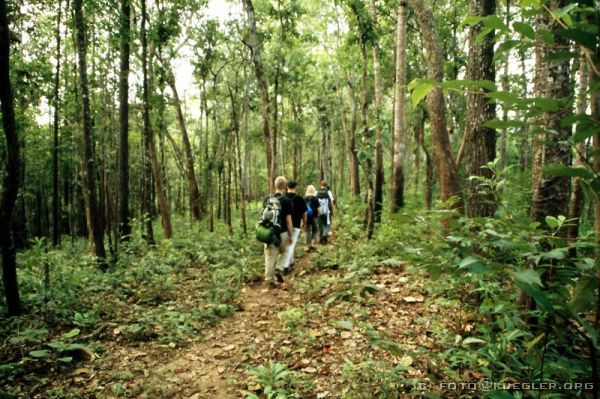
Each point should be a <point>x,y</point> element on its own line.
<point>337,333</point>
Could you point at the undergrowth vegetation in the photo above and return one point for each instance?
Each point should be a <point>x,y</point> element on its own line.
<point>168,292</point>
<point>501,302</point>
<point>521,300</point>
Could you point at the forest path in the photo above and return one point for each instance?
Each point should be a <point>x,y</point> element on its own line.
<point>335,324</point>
<point>215,367</point>
<point>325,323</point>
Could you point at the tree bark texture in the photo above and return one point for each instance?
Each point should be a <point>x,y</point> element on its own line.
<point>149,134</point>
<point>55,138</point>
<point>352,151</point>
<point>399,114</point>
<point>378,200</point>
<point>481,143</point>
<point>189,156</point>
<point>505,87</point>
<point>364,110</point>
<point>595,108</point>
<point>447,172</point>
<point>254,45</point>
<point>88,171</point>
<point>11,179</point>
<point>577,195</point>
<point>124,50</point>
<point>551,193</point>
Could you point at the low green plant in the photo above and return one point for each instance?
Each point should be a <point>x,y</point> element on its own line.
<point>374,379</point>
<point>276,381</point>
<point>292,318</point>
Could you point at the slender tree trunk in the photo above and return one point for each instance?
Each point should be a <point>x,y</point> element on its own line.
<point>243,193</point>
<point>228,208</point>
<point>55,141</point>
<point>149,134</point>
<point>146,210</point>
<point>447,172</point>
<point>577,195</point>
<point>399,114</point>
<point>595,108</point>
<point>352,151</point>
<point>428,187</point>
<point>364,108</point>
<point>505,87</point>
<point>187,150</point>
<point>88,164</point>
<point>275,130</point>
<point>246,138</point>
<point>10,183</point>
<point>417,156</point>
<point>125,40</point>
<point>551,193</point>
<point>378,199</point>
<point>481,144</point>
<point>254,45</point>
<point>524,143</point>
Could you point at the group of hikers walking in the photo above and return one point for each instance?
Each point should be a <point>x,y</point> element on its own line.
<point>283,216</point>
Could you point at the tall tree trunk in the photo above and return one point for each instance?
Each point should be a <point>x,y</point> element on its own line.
<point>481,143</point>
<point>10,183</point>
<point>505,87</point>
<point>577,195</point>
<point>352,151</point>
<point>399,114</point>
<point>551,193</point>
<point>228,208</point>
<point>447,172</point>
<point>149,134</point>
<point>88,162</point>
<point>595,108</point>
<point>364,109</point>
<point>125,41</point>
<point>378,199</point>
<point>275,130</point>
<point>428,187</point>
<point>254,45</point>
<point>55,141</point>
<point>246,138</point>
<point>238,145</point>
<point>524,143</point>
<point>187,150</point>
<point>146,211</point>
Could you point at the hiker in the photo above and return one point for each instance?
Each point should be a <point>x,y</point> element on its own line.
<point>324,211</point>
<point>312,224</point>
<point>277,218</point>
<point>298,218</point>
<point>333,203</point>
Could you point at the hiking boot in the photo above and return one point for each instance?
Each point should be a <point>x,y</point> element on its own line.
<point>272,285</point>
<point>286,271</point>
<point>279,277</point>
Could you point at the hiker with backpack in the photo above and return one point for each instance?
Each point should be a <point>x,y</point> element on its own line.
<point>325,210</point>
<point>275,230</point>
<point>298,218</point>
<point>312,216</point>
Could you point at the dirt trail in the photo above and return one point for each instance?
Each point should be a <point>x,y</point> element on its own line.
<point>341,324</point>
<point>216,367</point>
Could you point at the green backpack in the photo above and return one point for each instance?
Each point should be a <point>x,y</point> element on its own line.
<point>268,223</point>
<point>265,234</point>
